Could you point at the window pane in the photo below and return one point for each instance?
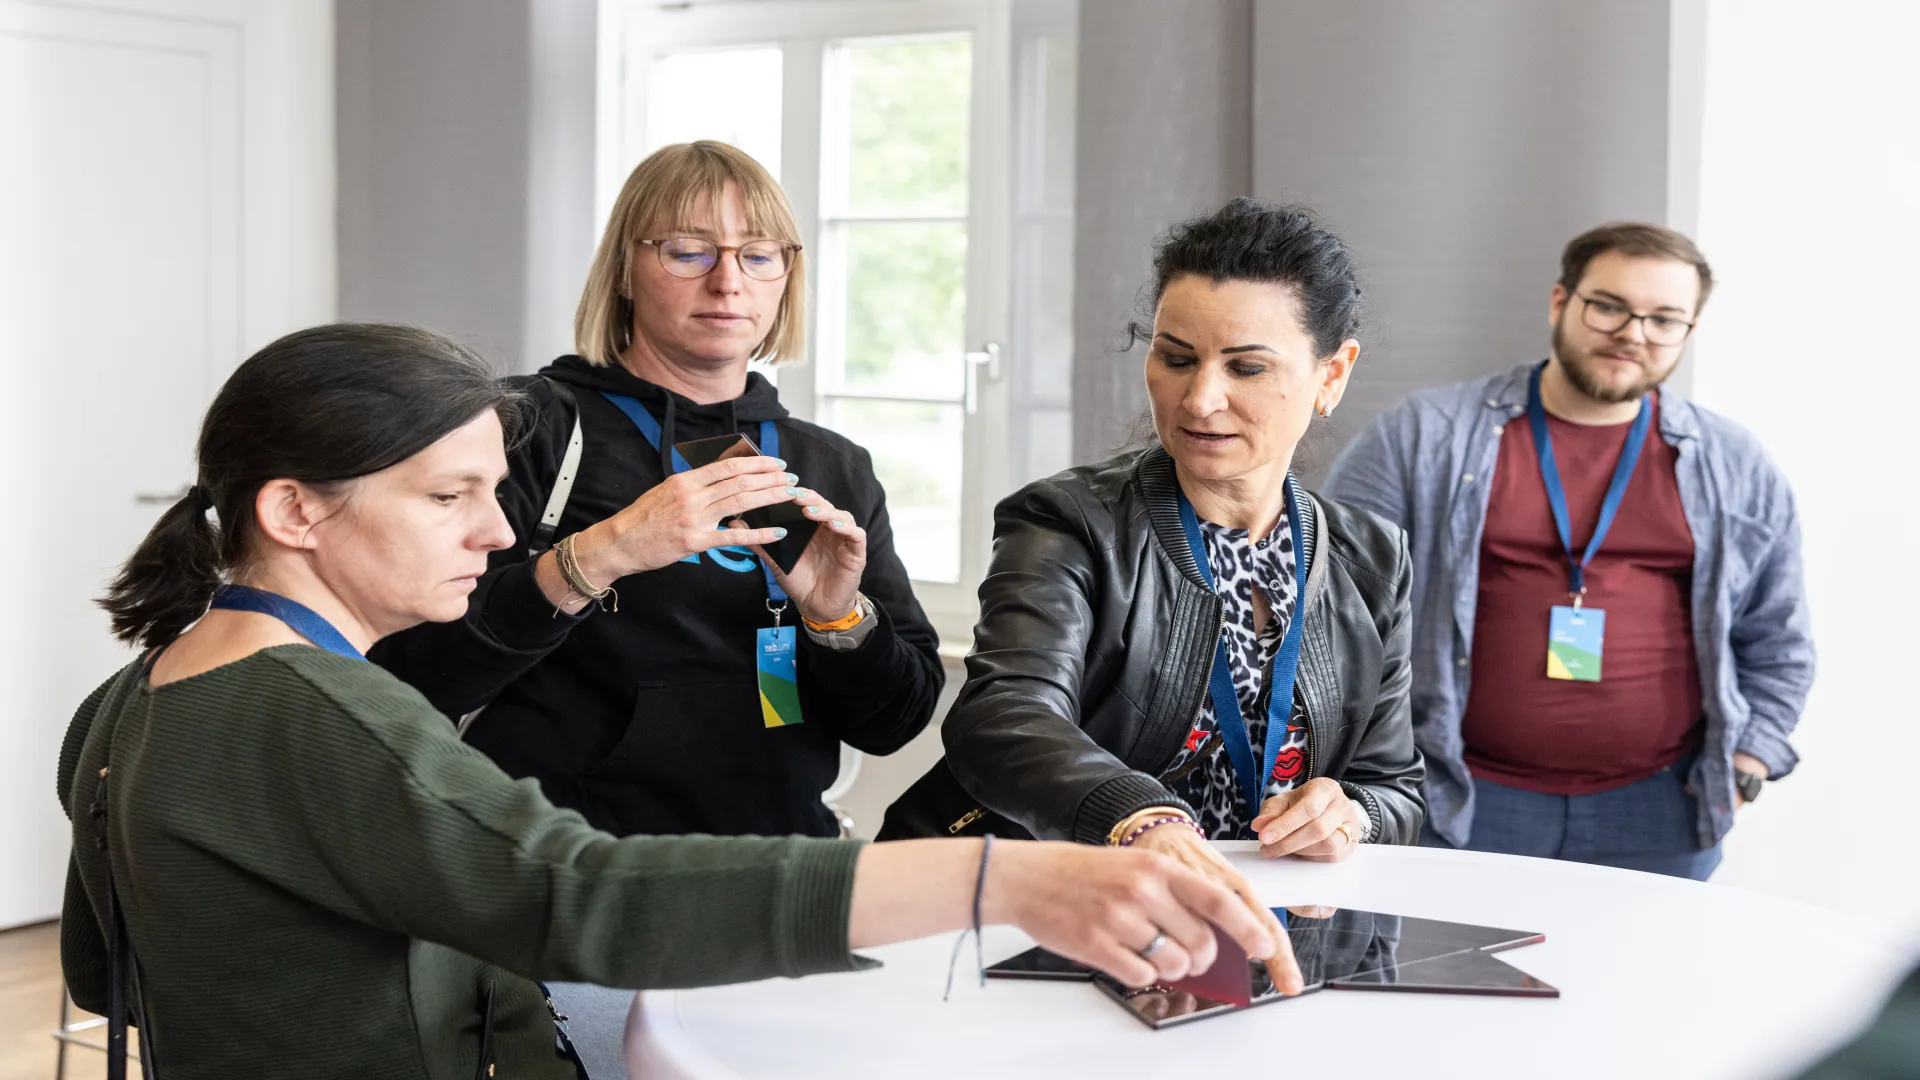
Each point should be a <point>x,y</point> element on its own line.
<point>916,454</point>
<point>1060,60</point>
<point>730,95</point>
<point>908,105</point>
<point>906,308</point>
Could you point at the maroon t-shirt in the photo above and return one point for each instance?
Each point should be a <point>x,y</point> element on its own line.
<point>1556,736</point>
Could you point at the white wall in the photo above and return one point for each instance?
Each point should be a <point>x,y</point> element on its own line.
<point>1164,105</point>
<point>166,208</point>
<point>1809,172</point>
<point>1462,146</point>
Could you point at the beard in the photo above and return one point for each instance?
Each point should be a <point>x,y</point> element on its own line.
<point>1583,368</point>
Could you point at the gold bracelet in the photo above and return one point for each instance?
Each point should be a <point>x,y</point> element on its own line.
<point>1127,824</point>
<point>569,565</point>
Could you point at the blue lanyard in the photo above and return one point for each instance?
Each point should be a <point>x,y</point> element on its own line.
<point>1286,663</point>
<point>302,619</point>
<point>1557,495</point>
<point>650,428</point>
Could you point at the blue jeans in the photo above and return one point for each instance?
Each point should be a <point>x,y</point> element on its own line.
<point>1647,825</point>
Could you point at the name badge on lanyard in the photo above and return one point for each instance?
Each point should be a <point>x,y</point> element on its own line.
<point>774,647</point>
<point>1576,634</point>
<point>779,680</point>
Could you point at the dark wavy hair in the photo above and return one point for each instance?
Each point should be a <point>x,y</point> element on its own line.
<point>1276,243</point>
<point>322,406</point>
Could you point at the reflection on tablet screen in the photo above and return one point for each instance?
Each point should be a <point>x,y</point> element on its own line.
<point>1346,950</point>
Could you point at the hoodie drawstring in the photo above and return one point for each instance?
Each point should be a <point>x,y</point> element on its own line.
<point>669,420</point>
<point>666,440</point>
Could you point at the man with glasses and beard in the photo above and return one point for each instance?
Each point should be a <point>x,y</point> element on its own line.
<point>1611,641</point>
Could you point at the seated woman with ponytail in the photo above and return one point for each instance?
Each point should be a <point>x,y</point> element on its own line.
<point>301,871</point>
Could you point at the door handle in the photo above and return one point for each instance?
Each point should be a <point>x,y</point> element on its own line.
<point>989,358</point>
<point>160,498</point>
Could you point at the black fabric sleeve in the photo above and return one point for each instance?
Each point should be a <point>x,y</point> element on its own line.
<point>510,625</point>
<point>1013,737</point>
<point>877,697</point>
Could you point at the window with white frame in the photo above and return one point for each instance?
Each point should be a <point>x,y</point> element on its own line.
<point>891,124</point>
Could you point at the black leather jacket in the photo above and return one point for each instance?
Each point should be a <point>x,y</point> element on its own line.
<point>1091,658</point>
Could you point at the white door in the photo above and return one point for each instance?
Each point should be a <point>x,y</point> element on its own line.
<point>165,209</point>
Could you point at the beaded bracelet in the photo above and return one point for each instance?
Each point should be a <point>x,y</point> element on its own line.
<point>1154,823</point>
<point>1146,813</point>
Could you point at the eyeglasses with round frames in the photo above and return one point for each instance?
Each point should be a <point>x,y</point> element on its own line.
<point>692,257</point>
<point>1608,317</point>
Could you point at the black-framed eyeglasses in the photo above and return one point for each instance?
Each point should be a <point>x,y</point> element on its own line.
<point>1610,318</point>
<point>692,257</point>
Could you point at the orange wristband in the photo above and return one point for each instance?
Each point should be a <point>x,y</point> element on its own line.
<point>851,620</point>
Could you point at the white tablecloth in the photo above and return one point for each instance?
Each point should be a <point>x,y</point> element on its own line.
<point>1659,977</point>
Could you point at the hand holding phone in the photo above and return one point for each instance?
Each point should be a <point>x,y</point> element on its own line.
<point>823,557</point>
<point>787,515</point>
<point>677,518</point>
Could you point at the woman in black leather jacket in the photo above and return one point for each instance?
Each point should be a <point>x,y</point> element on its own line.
<point>1104,644</point>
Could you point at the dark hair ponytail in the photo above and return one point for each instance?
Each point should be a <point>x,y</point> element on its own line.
<point>171,577</point>
<point>323,407</point>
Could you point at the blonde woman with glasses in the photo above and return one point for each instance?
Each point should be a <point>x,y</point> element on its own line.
<point>658,663</point>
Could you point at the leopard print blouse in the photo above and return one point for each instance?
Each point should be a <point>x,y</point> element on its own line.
<point>1202,772</point>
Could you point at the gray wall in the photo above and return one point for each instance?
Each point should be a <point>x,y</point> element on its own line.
<point>465,133</point>
<point>1165,115</point>
<point>1456,147</point>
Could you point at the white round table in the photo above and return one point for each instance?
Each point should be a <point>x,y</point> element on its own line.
<point>1658,977</point>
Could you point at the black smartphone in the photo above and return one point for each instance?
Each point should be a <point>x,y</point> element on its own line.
<point>700,453</point>
<point>1038,963</point>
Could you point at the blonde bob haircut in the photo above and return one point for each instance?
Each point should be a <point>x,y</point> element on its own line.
<point>662,194</point>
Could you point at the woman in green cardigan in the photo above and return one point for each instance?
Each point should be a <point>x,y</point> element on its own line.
<point>317,878</point>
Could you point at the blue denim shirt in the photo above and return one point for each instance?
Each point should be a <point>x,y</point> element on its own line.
<point>1427,463</point>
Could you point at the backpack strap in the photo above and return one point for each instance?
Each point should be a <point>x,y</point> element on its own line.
<point>556,506</point>
<point>563,483</point>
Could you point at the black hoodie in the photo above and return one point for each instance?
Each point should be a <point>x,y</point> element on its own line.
<point>647,720</point>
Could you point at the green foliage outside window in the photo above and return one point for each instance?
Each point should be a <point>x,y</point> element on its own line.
<point>906,282</point>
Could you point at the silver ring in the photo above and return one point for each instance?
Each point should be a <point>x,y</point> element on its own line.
<point>1159,942</point>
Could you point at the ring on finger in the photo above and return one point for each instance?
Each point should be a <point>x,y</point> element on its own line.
<point>1159,942</point>
<point>1346,830</point>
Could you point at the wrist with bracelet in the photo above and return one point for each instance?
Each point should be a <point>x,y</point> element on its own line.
<point>1137,824</point>
<point>979,890</point>
<point>1363,806</point>
<point>846,622</point>
<point>569,566</point>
